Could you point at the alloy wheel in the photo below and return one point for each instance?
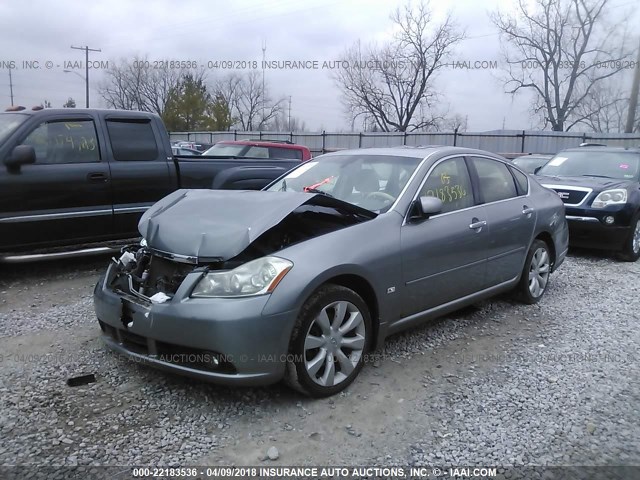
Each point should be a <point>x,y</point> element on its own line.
<point>334,343</point>
<point>539,272</point>
<point>636,238</point>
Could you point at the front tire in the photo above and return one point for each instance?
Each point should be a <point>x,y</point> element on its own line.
<point>631,250</point>
<point>535,274</point>
<point>331,335</point>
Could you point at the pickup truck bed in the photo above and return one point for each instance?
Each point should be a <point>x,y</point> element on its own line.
<point>74,177</point>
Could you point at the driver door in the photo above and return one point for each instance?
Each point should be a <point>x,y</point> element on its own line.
<point>444,256</point>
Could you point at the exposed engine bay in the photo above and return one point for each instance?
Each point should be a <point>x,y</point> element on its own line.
<point>154,277</point>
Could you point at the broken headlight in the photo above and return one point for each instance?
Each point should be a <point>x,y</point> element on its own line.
<point>256,277</point>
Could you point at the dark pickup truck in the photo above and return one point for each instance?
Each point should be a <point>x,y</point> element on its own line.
<point>80,178</point>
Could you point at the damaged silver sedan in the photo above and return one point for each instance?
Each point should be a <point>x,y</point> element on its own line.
<point>300,281</point>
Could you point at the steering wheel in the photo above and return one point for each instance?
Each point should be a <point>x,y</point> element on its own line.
<point>380,196</point>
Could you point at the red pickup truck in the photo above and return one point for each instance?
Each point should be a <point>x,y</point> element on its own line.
<point>277,149</point>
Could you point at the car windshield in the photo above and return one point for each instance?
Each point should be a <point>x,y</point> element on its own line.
<point>9,122</point>
<point>225,150</point>
<point>530,163</point>
<point>371,182</point>
<point>620,165</point>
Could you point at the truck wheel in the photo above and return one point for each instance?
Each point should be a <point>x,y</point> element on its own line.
<point>535,274</point>
<point>329,340</point>
<point>631,250</point>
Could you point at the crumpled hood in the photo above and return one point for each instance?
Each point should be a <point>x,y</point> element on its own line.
<point>215,225</point>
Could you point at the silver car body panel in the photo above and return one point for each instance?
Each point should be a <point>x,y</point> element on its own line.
<point>407,272</point>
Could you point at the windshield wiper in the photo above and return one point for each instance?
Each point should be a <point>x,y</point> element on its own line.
<point>315,190</point>
<point>591,175</point>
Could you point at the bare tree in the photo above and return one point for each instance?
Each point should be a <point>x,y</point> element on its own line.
<point>392,86</point>
<point>456,123</point>
<point>605,108</point>
<point>282,123</point>
<point>560,50</point>
<point>138,85</point>
<point>250,105</point>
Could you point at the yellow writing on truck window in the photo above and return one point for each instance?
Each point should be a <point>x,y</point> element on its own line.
<point>79,143</point>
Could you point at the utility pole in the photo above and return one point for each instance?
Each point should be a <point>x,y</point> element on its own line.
<point>264,58</point>
<point>86,66</point>
<point>289,112</point>
<point>11,87</point>
<point>633,98</point>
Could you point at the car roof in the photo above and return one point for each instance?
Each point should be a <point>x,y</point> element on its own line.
<point>261,143</point>
<point>416,152</point>
<point>67,111</point>
<point>594,148</point>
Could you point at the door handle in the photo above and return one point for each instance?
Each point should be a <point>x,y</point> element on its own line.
<point>527,210</point>
<point>97,177</point>
<point>477,225</point>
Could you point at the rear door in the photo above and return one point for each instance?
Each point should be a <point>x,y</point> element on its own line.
<point>511,217</point>
<point>65,197</point>
<point>443,257</point>
<point>141,172</point>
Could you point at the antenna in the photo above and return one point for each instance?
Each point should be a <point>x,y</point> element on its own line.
<point>11,86</point>
<point>264,57</point>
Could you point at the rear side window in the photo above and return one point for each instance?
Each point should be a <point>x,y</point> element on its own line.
<point>132,140</point>
<point>522,181</point>
<point>286,153</point>
<point>257,152</point>
<point>496,182</point>
<point>64,142</point>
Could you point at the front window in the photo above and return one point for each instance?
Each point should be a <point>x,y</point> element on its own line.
<point>64,142</point>
<point>450,182</point>
<point>621,165</point>
<point>371,182</point>
<point>9,122</point>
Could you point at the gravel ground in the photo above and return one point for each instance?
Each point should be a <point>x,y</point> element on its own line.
<point>500,383</point>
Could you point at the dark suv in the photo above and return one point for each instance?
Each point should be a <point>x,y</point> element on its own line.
<point>600,188</point>
<point>259,149</point>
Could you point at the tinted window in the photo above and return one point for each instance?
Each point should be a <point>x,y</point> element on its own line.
<point>496,183</point>
<point>132,140</point>
<point>257,152</point>
<point>291,153</point>
<point>64,142</point>
<point>449,181</point>
<point>521,180</point>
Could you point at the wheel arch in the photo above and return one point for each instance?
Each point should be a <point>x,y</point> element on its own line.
<point>548,239</point>
<point>365,290</point>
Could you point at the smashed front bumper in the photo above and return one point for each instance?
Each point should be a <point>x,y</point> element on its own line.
<point>222,340</point>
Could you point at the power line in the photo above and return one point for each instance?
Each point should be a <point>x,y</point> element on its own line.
<point>86,65</point>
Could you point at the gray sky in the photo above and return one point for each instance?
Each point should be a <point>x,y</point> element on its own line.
<point>204,31</point>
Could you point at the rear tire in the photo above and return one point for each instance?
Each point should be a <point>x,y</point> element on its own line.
<point>631,250</point>
<point>331,335</point>
<point>535,273</point>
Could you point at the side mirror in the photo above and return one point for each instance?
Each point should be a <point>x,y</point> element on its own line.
<point>21,155</point>
<point>424,207</point>
<point>537,169</point>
